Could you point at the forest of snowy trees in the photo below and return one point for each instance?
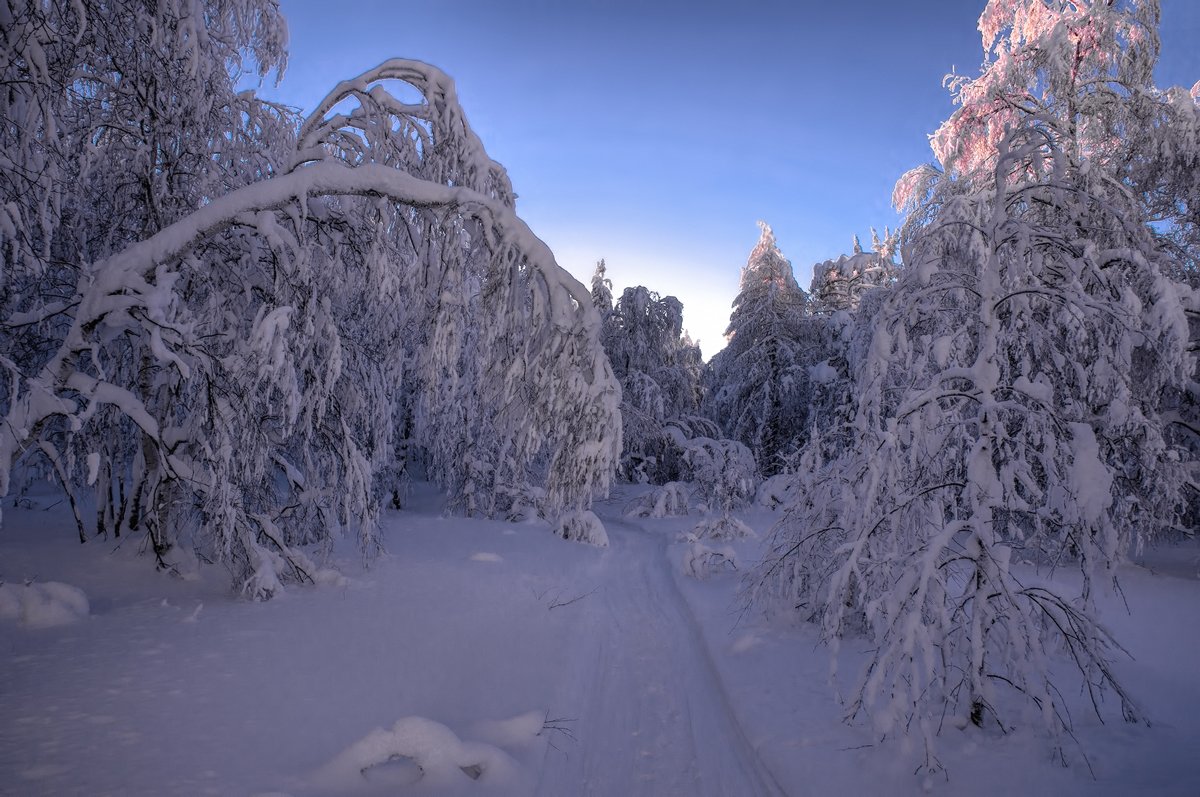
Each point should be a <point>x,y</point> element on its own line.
<point>239,332</point>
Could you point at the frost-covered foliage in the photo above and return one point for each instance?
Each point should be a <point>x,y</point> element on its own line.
<point>1008,416</point>
<point>758,385</point>
<point>839,285</point>
<point>1083,67</point>
<point>658,367</point>
<point>229,325</point>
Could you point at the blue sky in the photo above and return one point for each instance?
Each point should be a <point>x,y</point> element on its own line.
<point>654,134</point>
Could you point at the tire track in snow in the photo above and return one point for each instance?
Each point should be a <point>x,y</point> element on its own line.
<point>657,720</point>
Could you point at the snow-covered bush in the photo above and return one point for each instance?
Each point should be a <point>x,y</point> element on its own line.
<point>439,757</point>
<point>777,491</point>
<point>702,561</point>
<point>582,525</point>
<point>725,476</point>
<point>670,500</point>
<point>723,471</point>
<point>722,527</point>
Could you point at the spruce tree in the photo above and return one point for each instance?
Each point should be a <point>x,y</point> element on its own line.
<point>758,384</point>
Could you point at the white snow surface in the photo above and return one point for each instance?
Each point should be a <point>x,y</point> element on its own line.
<point>541,667</point>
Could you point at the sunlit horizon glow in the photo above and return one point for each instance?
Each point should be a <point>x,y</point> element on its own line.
<point>655,135</point>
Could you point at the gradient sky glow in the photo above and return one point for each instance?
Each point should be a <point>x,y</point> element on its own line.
<point>654,134</point>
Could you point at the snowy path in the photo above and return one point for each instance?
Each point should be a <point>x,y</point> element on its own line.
<point>172,687</point>
<point>657,719</point>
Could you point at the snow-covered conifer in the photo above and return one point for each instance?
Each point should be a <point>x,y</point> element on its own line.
<point>602,296</point>
<point>757,386</point>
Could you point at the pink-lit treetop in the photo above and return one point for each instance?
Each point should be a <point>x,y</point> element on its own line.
<point>1083,71</point>
<point>1078,63</point>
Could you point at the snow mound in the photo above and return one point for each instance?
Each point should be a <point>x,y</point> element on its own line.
<point>701,561</point>
<point>670,500</point>
<point>582,525</point>
<point>330,577</point>
<point>415,749</point>
<point>518,731</point>
<point>43,605</point>
<point>746,642</point>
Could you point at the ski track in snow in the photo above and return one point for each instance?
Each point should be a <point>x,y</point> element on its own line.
<point>658,720</point>
<point>454,630</point>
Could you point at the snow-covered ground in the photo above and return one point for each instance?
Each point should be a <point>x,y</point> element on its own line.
<point>482,657</point>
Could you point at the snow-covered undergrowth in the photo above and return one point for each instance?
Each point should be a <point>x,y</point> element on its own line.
<point>485,658</point>
<point>669,500</point>
<point>428,750</point>
<point>722,527</point>
<point>42,605</point>
<point>702,561</point>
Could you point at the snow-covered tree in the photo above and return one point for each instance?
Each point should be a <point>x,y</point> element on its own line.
<point>758,385</point>
<point>217,319</point>
<point>1010,402</point>
<point>1083,72</point>
<point>1008,416</point>
<point>602,296</point>
<point>839,285</point>
<point>658,367</point>
<point>1080,67</point>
